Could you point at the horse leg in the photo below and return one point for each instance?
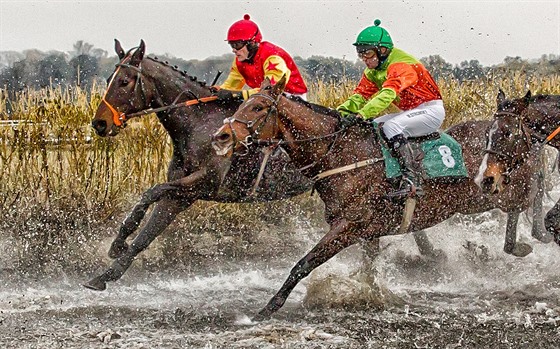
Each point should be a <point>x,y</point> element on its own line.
<point>552,222</point>
<point>338,238</point>
<point>164,213</point>
<point>426,248</point>
<point>157,192</point>
<point>538,230</point>
<point>511,246</point>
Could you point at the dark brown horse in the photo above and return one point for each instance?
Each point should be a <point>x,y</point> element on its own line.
<point>141,85</point>
<point>356,204</point>
<point>520,129</point>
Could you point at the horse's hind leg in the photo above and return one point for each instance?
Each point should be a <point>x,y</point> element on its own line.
<point>338,238</point>
<point>511,246</point>
<point>164,213</point>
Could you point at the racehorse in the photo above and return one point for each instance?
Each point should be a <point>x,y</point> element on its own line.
<point>521,127</point>
<point>356,204</point>
<point>186,109</point>
<point>189,113</point>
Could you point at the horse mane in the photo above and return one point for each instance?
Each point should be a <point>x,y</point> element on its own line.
<point>176,68</point>
<point>316,107</point>
<point>545,98</point>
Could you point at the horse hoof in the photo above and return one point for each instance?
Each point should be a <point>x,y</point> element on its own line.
<point>117,249</point>
<point>262,316</point>
<point>436,256</point>
<point>96,284</point>
<point>543,237</point>
<point>521,249</point>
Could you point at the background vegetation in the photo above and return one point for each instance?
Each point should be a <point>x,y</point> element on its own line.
<point>64,191</point>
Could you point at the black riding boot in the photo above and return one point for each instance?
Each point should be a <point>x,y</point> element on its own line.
<point>411,168</point>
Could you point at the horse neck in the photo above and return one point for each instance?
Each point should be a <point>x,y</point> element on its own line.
<point>170,83</point>
<point>299,123</point>
<point>169,86</point>
<point>543,116</point>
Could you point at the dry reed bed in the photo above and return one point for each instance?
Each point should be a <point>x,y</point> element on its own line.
<point>62,185</point>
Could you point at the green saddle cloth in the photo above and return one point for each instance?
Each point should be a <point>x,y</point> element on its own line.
<point>443,157</point>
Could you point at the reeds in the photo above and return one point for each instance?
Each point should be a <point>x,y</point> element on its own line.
<point>60,183</point>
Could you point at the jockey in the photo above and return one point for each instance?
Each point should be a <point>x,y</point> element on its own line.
<point>256,60</point>
<point>393,76</point>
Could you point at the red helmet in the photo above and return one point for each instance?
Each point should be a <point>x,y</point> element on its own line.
<point>245,30</point>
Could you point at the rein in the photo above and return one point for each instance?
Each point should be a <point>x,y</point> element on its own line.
<point>119,119</point>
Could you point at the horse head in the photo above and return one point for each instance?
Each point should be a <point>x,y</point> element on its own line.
<point>508,144</point>
<point>124,92</point>
<point>255,120</point>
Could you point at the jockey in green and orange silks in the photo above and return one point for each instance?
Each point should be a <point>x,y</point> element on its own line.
<point>393,76</point>
<point>255,60</point>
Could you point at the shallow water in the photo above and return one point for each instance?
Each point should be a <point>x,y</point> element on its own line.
<point>479,297</point>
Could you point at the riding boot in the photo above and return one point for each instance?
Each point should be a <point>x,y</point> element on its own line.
<point>411,168</point>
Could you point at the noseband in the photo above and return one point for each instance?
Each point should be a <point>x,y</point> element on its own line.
<point>252,138</point>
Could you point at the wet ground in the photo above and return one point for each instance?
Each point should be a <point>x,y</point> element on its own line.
<point>477,298</point>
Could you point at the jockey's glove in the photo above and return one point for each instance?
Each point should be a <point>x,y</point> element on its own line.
<point>228,95</point>
<point>350,120</point>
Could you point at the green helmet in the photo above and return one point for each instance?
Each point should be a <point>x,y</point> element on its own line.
<point>374,36</point>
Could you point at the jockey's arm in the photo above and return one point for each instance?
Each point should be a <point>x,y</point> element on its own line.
<point>234,81</point>
<point>362,93</point>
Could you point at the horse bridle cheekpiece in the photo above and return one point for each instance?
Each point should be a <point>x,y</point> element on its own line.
<point>252,138</point>
<point>119,119</point>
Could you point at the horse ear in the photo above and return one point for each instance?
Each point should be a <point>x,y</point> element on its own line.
<point>501,97</point>
<point>527,97</point>
<point>138,54</point>
<point>278,88</point>
<point>118,49</point>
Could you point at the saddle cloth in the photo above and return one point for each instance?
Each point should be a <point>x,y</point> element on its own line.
<point>443,157</point>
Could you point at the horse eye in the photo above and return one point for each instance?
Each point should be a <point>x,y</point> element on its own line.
<point>124,82</point>
<point>258,108</point>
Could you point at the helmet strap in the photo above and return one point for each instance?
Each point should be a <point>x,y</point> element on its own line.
<point>252,47</point>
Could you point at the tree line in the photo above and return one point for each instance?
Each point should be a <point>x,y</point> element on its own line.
<point>86,65</point>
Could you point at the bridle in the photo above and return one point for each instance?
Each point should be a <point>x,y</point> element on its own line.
<point>260,122</point>
<point>513,162</point>
<point>120,119</point>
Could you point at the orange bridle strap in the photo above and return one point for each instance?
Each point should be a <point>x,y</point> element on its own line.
<point>118,118</point>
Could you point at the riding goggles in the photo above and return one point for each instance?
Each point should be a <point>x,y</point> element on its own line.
<point>367,54</point>
<point>238,45</point>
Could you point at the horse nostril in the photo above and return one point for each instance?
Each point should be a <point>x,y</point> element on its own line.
<point>223,137</point>
<point>487,184</point>
<point>99,125</point>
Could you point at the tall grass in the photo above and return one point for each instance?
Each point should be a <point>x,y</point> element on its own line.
<point>61,185</point>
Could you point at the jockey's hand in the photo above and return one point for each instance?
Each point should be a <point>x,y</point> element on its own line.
<point>214,88</point>
<point>350,120</point>
<point>228,95</point>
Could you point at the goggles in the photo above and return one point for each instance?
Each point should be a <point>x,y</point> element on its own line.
<point>367,54</point>
<point>238,45</point>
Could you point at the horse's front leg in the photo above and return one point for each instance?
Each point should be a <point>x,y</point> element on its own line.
<point>538,230</point>
<point>511,245</point>
<point>552,222</point>
<point>164,213</point>
<point>157,192</point>
<point>339,237</point>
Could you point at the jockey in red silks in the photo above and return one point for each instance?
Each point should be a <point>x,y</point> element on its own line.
<point>393,76</point>
<point>256,60</point>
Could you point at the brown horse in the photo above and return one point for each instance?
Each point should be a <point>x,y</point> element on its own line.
<point>356,205</point>
<point>520,129</point>
<point>143,85</point>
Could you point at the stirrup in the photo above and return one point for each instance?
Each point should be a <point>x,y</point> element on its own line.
<point>409,189</point>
